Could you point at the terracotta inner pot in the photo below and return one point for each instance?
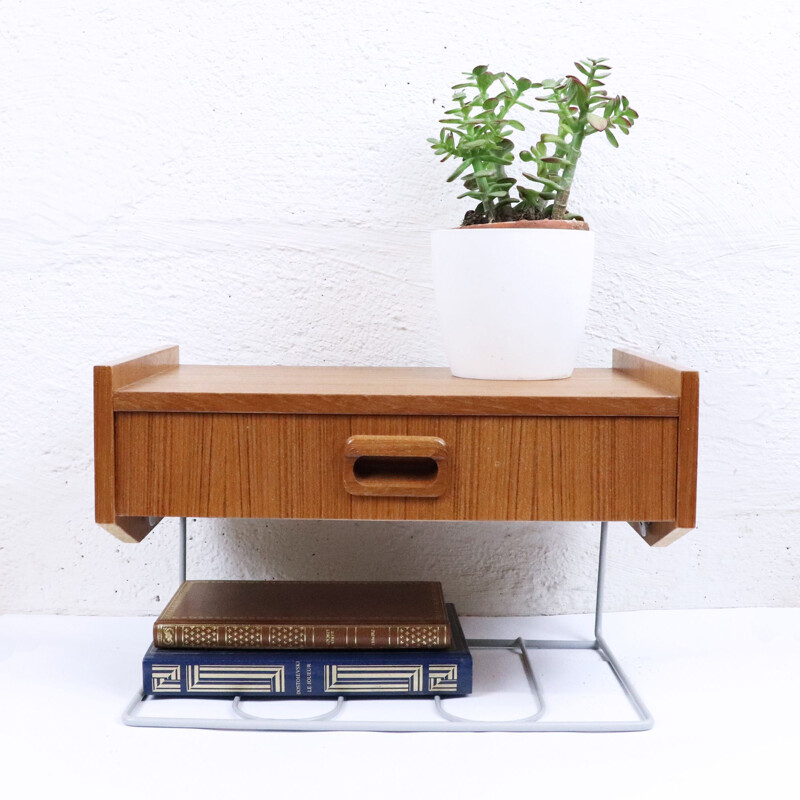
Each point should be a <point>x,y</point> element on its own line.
<point>555,224</point>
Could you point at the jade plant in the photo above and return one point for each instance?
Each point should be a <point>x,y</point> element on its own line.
<point>478,132</point>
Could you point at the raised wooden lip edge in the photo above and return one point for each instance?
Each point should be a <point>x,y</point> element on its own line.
<point>666,377</point>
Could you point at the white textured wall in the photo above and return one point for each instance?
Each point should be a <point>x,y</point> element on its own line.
<point>251,180</point>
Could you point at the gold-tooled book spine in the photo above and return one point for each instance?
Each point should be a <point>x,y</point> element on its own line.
<point>237,636</point>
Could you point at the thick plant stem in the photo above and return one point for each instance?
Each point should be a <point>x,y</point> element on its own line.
<point>483,188</point>
<point>560,203</point>
<point>579,128</point>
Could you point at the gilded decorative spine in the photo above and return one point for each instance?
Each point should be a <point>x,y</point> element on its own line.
<point>237,636</point>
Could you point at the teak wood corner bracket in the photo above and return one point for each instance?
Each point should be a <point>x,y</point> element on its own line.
<point>394,443</point>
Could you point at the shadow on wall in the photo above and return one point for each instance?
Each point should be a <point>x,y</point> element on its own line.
<point>486,568</point>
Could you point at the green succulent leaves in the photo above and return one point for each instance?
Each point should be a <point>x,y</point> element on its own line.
<point>478,130</point>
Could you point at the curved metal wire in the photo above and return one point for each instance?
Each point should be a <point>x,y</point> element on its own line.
<point>533,685</point>
<point>334,712</point>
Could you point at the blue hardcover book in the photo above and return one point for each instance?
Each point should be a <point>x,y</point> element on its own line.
<point>311,673</point>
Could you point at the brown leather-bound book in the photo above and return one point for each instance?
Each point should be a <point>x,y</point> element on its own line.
<point>302,615</point>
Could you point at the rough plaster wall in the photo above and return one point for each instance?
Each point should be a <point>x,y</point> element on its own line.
<point>251,180</point>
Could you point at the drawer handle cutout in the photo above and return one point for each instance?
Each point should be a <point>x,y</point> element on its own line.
<point>384,468</point>
<point>396,466</point>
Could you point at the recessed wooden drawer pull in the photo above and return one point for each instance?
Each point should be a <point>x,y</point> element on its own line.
<point>396,466</point>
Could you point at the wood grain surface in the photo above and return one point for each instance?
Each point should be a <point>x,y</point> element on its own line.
<point>687,451</point>
<point>605,444</point>
<point>378,390</point>
<point>290,465</point>
<point>686,385</point>
<point>107,380</point>
<point>659,374</point>
<point>396,466</point>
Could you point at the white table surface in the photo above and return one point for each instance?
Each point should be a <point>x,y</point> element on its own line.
<point>723,686</point>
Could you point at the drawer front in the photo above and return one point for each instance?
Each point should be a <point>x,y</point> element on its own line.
<point>307,466</point>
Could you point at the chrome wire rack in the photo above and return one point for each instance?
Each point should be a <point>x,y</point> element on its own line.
<point>441,711</point>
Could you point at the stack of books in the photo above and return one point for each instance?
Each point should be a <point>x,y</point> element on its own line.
<point>308,639</point>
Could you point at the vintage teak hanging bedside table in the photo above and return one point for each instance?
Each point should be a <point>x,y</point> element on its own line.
<point>174,440</point>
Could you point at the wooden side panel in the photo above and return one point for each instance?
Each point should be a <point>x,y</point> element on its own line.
<point>687,450</point>
<point>103,446</point>
<point>686,385</point>
<point>107,379</point>
<point>261,465</point>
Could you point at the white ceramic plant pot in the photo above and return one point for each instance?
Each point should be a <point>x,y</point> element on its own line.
<point>512,300</point>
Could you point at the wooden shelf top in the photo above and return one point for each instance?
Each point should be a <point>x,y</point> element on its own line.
<point>390,390</point>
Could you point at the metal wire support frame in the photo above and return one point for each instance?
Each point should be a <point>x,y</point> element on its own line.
<point>328,721</point>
